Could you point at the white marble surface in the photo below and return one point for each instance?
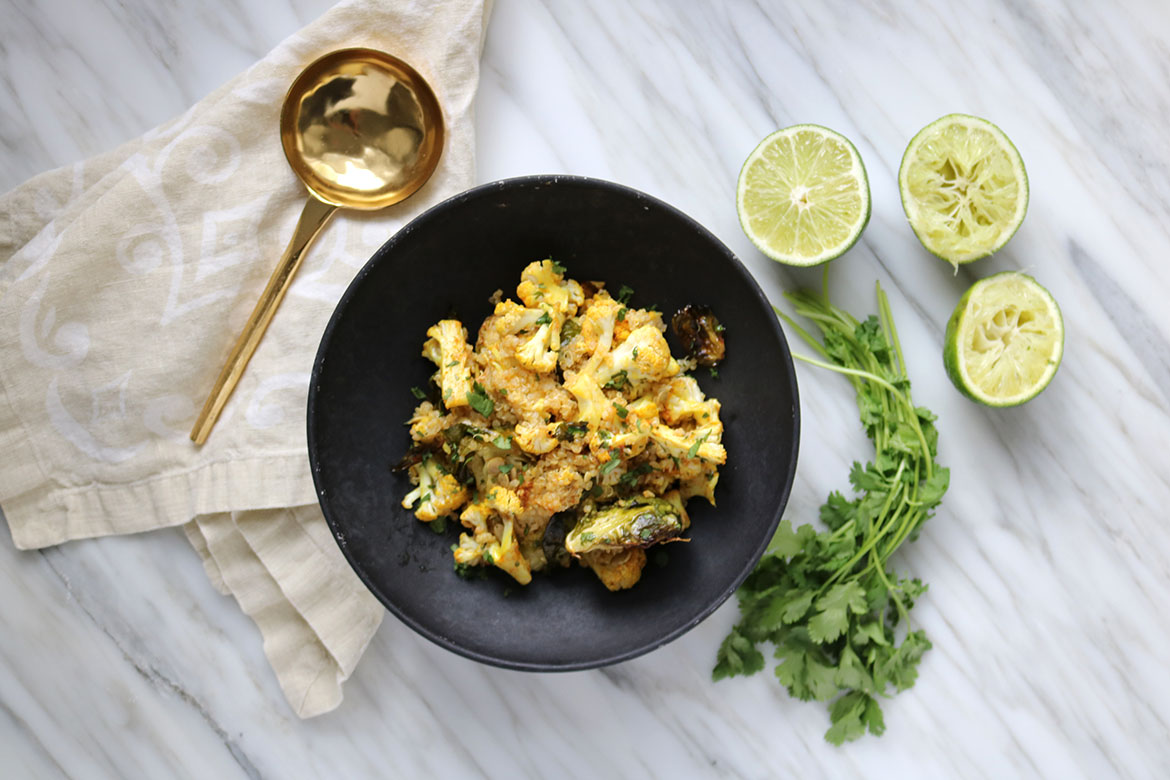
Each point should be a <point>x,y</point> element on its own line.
<point>1049,563</point>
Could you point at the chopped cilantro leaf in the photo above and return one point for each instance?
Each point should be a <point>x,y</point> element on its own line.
<point>570,431</point>
<point>503,442</point>
<point>609,465</point>
<point>621,410</point>
<point>417,393</point>
<point>557,267</point>
<point>617,381</point>
<point>624,293</point>
<point>621,315</point>
<point>630,476</point>
<point>479,401</point>
<point>694,450</point>
<point>544,319</point>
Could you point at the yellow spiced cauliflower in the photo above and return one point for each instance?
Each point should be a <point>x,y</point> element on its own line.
<point>569,404</point>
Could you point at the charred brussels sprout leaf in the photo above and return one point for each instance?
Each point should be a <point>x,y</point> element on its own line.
<point>701,335</point>
<point>554,539</point>
<point>635,522</point>
<point>570,431</point>
<point>570,330</point>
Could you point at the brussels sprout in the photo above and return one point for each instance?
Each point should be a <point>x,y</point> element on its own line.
<point>635,522</point>
<point>701,335</point>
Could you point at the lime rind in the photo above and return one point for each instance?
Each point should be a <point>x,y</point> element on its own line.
<point>840,201</point>
<point>954,221</point>
<point>1004,341</point>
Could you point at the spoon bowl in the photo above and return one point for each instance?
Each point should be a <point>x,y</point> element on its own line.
<point>362,130</point>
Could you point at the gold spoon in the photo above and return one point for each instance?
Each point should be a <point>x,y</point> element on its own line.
<point>362,130</point>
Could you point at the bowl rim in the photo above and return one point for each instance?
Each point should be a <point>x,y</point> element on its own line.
<point>520,182</point>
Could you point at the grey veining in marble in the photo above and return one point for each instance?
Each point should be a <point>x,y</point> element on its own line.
<point>1049,564</point>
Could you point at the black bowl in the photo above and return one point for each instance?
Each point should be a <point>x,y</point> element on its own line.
<point>451,259</point>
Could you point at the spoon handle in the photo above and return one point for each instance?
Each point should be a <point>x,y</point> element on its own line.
<point>313,218</point>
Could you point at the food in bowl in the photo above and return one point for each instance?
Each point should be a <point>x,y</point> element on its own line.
<point>567,434</point>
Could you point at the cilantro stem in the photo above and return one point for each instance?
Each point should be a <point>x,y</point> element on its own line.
<point>852,372</point>
<point>804,334</point>
<point>887,320</point>
<point>874,537</point>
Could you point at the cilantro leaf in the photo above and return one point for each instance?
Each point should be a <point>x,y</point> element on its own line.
<point>832,616</point>
<point>737,655</point>
<point>851,672</point>
<point>609,465</point>
<point>617,381</point>
<point>847,715</point>
<point>694,448</point>
<point>479,400</point>
<point>837,511</point>
<point>870,631</point>
<point>804,675</point>
<point>788,542</point>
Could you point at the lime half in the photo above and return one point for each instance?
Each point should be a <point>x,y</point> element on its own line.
<point>803,197</point>
<point>964,188</point>
<point>1004,341</point>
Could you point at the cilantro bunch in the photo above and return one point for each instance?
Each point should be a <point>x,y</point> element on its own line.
<point>829,602</point>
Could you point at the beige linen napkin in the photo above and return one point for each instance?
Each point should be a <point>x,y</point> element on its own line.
<point>124,281</point>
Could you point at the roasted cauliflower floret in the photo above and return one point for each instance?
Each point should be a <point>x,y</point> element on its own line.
<point>426,424</point>
<point>595,335</point>
<point>685,401</point>
<point>594,409</point>
<point>448,349</point>
<point>437,493</point>
<point>543,284</point>
<point>702,442</point>
<point>539,353</point>
<point>702,484</point>
<point>539,350</point>
<point>511,317</point>
<point>643,357</point>
<point>492,540</point>
<point>617,570</point>
<point>536,438</point>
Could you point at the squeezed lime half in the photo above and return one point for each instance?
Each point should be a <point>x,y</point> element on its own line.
<point>803,196</point>
<point>1004,341</point>
<point>964,188</point>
